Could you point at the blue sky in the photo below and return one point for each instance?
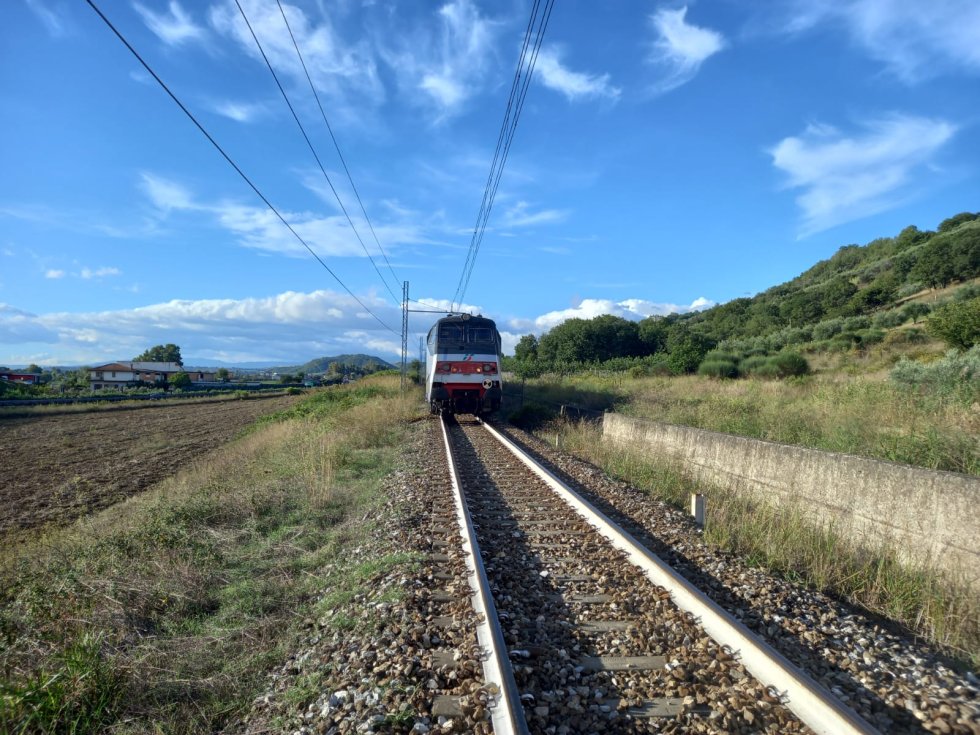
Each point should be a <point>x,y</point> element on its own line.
<point>669,156</point>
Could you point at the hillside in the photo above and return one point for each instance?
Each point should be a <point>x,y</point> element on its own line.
<point>365,363</point>
<point>857,298</point>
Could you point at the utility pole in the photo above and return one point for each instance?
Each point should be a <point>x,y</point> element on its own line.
<point>404,331</point>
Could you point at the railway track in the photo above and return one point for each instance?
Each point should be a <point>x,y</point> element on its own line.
<point>587,631</point>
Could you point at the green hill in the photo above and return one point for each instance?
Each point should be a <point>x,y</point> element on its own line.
<point>362,363</point>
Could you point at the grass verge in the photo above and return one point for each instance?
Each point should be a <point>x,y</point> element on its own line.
<point>863,415</point>
<point>164,613</point>
<point>782,541</point>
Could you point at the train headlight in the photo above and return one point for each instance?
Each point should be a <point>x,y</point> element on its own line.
<point>489,367</point>
<point>443,367</point>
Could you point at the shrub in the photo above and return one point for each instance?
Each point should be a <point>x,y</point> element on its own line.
<point>909,289</point>
<point>871,337</point>
<point>956,375</point>
<point>293,391</point>
<point>789,364</point>
<point>751,365</point>
<point>855,323</point>
<point>828,328</point>
<point>957,324</point>
<point>716,367</point>
<point>915,311</point>
<point>889,319</point>
<point>913,336</point>
<point>638,371</point>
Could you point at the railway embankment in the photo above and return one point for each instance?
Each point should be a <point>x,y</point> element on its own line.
<point>925,516</point>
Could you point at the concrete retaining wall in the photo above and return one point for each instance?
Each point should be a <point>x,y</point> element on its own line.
<point>930,517</point>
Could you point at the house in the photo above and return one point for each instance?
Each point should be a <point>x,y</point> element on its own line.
<point>118,375</point>
<point>22,378</point>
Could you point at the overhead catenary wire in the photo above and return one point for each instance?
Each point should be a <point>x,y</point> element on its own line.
<point>309,143</point>
<point>537,25</point>
<point>232,163</point>
<point>336,145</point>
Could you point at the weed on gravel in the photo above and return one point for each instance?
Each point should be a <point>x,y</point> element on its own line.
<point>164,613</point>
<point>940,610</point>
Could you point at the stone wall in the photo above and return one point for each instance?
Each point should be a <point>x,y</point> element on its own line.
<point>929,517</point>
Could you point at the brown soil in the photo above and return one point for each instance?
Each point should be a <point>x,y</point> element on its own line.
<point>56,468</point>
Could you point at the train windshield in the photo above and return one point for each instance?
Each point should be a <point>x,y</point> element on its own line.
<point>468,337</point>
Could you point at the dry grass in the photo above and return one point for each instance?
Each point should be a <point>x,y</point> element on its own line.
<point>163,613</point>
<point>863,415</point>
<point>940,610</point>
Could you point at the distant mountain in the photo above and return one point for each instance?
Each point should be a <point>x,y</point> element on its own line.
<point>209,362</point>
<point>320,364</point>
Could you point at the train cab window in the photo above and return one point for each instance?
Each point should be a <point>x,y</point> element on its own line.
<point>479,334</point>
<point>451,332</point>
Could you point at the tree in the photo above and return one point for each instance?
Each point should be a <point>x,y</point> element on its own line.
<point>957,324</point>
<point>526,348</point>
<point>956,220</point>
<point>653,334</point>
<point>35,369</point>
<point>161,353</point>
<point>180,380</point>
<point>686,349</point>
<point>223,375</point>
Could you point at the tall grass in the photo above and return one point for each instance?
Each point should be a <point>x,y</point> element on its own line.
<point>163,613</point>
<point>864,415</point>
<point>782,540</point>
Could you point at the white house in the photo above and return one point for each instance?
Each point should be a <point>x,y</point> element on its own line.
<point>119,375</point>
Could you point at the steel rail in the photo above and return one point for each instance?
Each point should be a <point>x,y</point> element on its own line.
<point>806,698</point>
<point>507,712</point>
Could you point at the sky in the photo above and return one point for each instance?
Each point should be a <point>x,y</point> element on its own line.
<point>668,157</point>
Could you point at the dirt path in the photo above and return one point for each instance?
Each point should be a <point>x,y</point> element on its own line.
<point>54,469</point>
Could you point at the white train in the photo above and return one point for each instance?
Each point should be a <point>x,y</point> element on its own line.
<point>462,366</point>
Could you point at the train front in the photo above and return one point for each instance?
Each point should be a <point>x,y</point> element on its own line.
<point>463,365</point>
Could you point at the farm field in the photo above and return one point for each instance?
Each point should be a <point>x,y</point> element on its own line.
<point>55,468</point>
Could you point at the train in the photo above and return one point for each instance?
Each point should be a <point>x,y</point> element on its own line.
<point>463,366</point>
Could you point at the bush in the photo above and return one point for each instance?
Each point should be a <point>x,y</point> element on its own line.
<point>638,371</point>
<point>789,364</point>
<point>752,364</point>
<point>956,376</point>
<point>856,323</point>
<point>913,336</point>
<point>717,367</point>
<point>828,328</point>
<point>957,324</point>
<point>890,319</point>
<point>871,337</point>
<point>293,391</point>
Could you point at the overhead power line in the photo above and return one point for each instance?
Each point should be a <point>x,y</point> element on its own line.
<point>335,144</point>
<point>232,163</point>
<point>536,27</point>
<point>309,143</point>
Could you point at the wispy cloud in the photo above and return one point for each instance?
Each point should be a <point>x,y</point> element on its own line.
<point>174,26</point>
<point>342,71</point>
<point>520,215</point>
<point>52,20</point>
<point>680,48</point>
<point>259,228</point>
<point>100,272</point>
<point>243,112</point>
<point>54,273</point>
<point>449,66</point>
<point>574,85</point>
<point>847,177</point>
<point>915,40</point>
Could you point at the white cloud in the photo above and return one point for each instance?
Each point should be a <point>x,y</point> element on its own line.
<point>174,27</point>
<point>164,193</point>
<point>844,178</point>
<point>914,39</point>
<point>53,21</point>
<point>288,325</point>
<point>54,273</point>
<point>574,85</point>
<point>339,69</point>
<point>243,112</point>
<point>633,309</point>
<point>259,228</point>
<point>680,47</point>
<point>520,215</point>
<point>450,66</point>
<point>101,272</point>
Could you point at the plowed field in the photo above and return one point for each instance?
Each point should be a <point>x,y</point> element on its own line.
<point>56,468</point>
